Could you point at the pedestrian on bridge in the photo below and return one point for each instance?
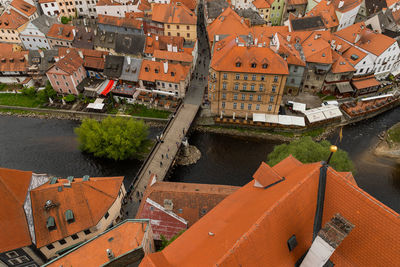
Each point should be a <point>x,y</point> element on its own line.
<point>166,155</point>
<point>160,163</point>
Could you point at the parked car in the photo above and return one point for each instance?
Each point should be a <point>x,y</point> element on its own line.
<point>331,102</point>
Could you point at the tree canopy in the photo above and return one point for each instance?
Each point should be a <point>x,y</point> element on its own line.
<point>114,138</point>
<point>307,151</point>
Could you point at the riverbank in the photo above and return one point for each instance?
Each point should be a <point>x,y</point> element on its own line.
<point>389,146</point>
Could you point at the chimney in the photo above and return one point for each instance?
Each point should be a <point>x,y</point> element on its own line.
<point>56,59</point>
<point>165,65</point>
<point>174,48</point>
<point>327,241</point>
<point>237,39</point>
<point>288,38</point>
<point>41,53</point>
<point>47,23</point>
<point>328,3</point>
<point>128,60</point>
<point>169,47</point>
<point>255,41</point>
<point>168,205</point>
<point>80,53</point>
<point>110,254</point>
<point>341,3</point>
<point>156,37</point>
<point>357,38</point>
<point>338,47</point>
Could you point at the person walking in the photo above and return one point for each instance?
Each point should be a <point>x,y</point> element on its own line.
<point>160,163</point>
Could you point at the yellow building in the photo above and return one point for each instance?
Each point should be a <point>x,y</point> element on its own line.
<point>67,8</point>
<point>178,20</point>
<point>11,24</point>
<point>263,7</point>
<point>245,78</point>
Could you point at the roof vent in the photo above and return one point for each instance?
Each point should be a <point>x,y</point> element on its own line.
<point>50,223</point>
<point>69,216</point>
<point>110,254</point>
<point>70,178</point>
<point>266,177</point>
<point>168,204</point>
<point>86,178</point>
<point>53,180</point>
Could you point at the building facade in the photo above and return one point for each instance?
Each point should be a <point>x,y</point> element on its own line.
<point>33,37</point>
<point>50,7</point>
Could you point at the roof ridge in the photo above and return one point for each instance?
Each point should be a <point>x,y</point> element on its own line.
<point>11,191</point>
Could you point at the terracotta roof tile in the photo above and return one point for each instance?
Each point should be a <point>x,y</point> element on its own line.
<point>14,61</point>
<point>160,42</point>
<point>126,22</point>
<point>297,2</point>
<point>61,31</point>
<point>265,176</point>
<point>347,5</point>
<point>227,53</point>
<point>253,225</point>
<point>174,56</point>
<point>13,21</point>
<point>191,4</point>
<point>289,50</point>
<point>261,4</point>
<point>88,200</point>
<point>354,55</point>
<point>70,62</point>
<point>327,11</point>
<point>317,49</point>
<point>93,252</point>
<point>340,64</point>
<point>24,7</point>
<point>173,13</point>
<point>14,230</point>
<point>155,72</point>
<point>92,58</point>
<point>365,82</point>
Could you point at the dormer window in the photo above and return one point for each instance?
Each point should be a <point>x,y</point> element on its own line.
<point>172,73</point>
<point>264,66</point>
<point>69,216</point>
<point>51,223</point>
<point>238,64</point>
<point>156,70</point>
<point>146,69</point>
<point>253,65</point>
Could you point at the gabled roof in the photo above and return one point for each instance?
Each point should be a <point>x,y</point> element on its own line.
<point>340,64</point>
<point>161,42</point>
<point>354,55</point>
<point>346,6</point>
<point>252,226</point>
<point>94,251</point>
<point>191,4</point>
<point>327,12</point>
<point>260,4</point>
<point>91,58</point>
<point>228,52</point>
<point>228,22</point>
<point>12,20</point>
<point>155,72</point>
<point>23,7</point>
<point>15,61</point>
<point>70,62</point>
<point>88,200</point>
<point>14,229</point>
<point>317,49</point>
<point>173,56</point>
<point>120,22</point>
<point>289,50</point>
<point>130,44</point>
<point>175,13</point>
<point>43,23</point>
<point>61,31</point>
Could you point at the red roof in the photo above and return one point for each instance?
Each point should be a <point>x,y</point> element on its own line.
<point>13,21</point>
<point>14,230</point>
<point>365,82</point>
<point>92,58</point>
<point>154,71</point>
<point>70,62</point>
<point>174,13</point>
<point>251,227</point>
<point>61,31</point>
<point>340,64</point>
<point>173,56</point>
<point>24,7</point>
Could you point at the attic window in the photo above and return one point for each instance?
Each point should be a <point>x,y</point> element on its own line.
<point>172,73</point>
<point>323,54</point>
<point>51,224</point>
<point>146,69</point>
<point>292,242</point>
<point>238,64</point>
<point>156,70</point>
<point>354,57</point>
<point>69,216</point>
<point>264,66</point>
<point>253,65</point>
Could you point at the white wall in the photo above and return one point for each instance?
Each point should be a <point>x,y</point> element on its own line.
<point>50,9</point>
<point>86,7</point>
<point>346,19</point>
<point>116,11</point>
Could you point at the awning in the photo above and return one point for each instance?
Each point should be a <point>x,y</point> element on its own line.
<point>279,119</point>
<point>332,112</point>
<point>98,104</point>
<point>258,117</point>
<point>361,83</point>
<point>271,118</point>
<point>299,106</point>
<point>108,88</point>
<point>284,120</point>
<point>344,87</point>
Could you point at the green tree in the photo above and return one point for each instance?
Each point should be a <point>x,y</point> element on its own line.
<point>306,151</point>
<point>29,91</point>
<point>69,98</point>
<point>64,20</point>
<point>47,93</point>
<point>114,138</point>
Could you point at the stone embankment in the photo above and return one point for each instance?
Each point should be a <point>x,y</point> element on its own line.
<point>387,147</point>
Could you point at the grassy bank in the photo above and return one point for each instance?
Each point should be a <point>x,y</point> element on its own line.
<point>20,100</point>
<point>143,111</point>
<point>393,134</point>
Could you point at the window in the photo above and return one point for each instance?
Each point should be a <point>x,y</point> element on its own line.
<point>253,65</point>
<point>234,105</point>
<point>13,262</point>
<point>262,78</point>
<point>241,105</point>
<point>168,26</point>
<point>225,76</point>
<point>12,254</point>
<point>156,71</point>
<point>252,87</point>
<point>254,77</point>
<point>50,246</point>
<point>259,98</point>
<point>87,232</point>
<point>243,97</point>
<point>245,77</point>
<point>187,27</point>
<point>271,99</point>
<point>251,97</point>
<point>224,86</point>
<point>275,79</point>
<point>249,106</point>
<point>177,26</point>
<point>74,236</point>
<point>66,84</point>
<point>63,77</point>
<point>62,241</point>
<point>261,88</point>
<point>188,35</point>
<point>244,86</point>
<point>273,88</point>
<point>238,64</point>
<point>163,85</point>
<point>235,96</point>
<point>146,69</point>
<point>223,104</point>
<point>223,96</point>
<point>107,214</point>
<point>258,107</point>
<point>237,76</point>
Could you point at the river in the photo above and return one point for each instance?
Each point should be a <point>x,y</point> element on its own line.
<point>50,146</point>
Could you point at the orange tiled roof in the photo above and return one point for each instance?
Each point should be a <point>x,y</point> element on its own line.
<point>88,200</point>
<point>327,13</point>
<point>156,72</point>
<point>188,199</point>
<point>127,22</point>
<point>93,252</point>
<point>174,56</point>
<point>340,64</point>
<point>365,82</point>
<point>46,1</point>
<point>12,21</point>
<point>347,5</point>
<point>92,58</point>
<point>157,42</point>
<point>144,6</point>
<point>70,62</point>
<point>228,22</point>
<point>389,3</point>
<point>260,4</point>
<point>365,38</point>
<point>191,4</point>
<point>264,33</point>
<point>14,230</point>
<point>252,226</point>
<point>173,13</point>
<point>14,61</point>
<point>61,31</point>
<point>24,7</point>
<point>354,51</point>
<point>227,53</point>
<point>297,2</point>
<point>288,49</point>
<point>316,47</point>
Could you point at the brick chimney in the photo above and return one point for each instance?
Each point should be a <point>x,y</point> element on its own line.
<point>327,241</point>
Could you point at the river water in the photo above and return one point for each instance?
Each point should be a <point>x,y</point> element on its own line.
<point>50,146</point>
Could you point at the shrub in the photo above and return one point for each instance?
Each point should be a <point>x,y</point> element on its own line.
<point>31,91</point>
<point>69,98</point>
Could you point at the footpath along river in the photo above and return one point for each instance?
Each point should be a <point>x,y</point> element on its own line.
<point>50,146</point>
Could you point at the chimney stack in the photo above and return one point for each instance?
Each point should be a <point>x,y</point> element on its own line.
<point>74,32</point>
<point>168,205</point>
<point>165,65</point>
<point>169,47</point>
<point>341,3</point>
<point>110,254</point>
<point>80,53</point>
<point>327,241</point>
<point>41,53</point>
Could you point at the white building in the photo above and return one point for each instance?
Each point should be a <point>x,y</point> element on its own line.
<point>33,37</point>
<point>86,8</point>
<point>111,8</point>
<point>23,8</point>
<point>50,7</point>
<point>243,4</point>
